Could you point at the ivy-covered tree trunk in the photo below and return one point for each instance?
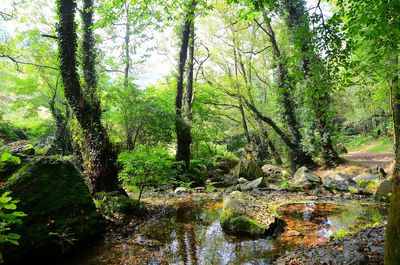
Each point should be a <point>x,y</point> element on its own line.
<point>182,126</point>
<point>317,83</point>
<point>297,156</point>
<point>392,237</point>
<point>98,155</point>
<point>62,136</point>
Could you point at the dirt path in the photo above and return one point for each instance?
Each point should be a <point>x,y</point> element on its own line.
<point>366,160</point>
<point>359,161</point>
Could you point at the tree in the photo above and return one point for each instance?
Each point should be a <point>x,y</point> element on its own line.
<point>317,85</point>
<point>98,153</point>
<point>182,126</point>
<point>377,24</point>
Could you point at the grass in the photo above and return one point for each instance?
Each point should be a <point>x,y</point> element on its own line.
<point>368,143</point>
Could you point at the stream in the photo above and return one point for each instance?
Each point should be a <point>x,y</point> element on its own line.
<point>192,234</point>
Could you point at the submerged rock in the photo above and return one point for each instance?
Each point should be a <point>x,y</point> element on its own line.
<point>60,211</point>
<point>306,179</point>
<point>341,182</point>
<point>242,214</point>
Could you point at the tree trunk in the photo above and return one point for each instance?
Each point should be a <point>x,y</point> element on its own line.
<point>392,237</point>
<point>182,128</point>
<point>98,153</point>
<point>315,81</point>
<point>62,137</point>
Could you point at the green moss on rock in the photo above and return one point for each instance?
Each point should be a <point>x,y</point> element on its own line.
<point>60,211</point>
<point>242,214</point>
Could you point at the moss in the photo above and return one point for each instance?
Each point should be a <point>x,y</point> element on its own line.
<point>354,190</point>
<point>61,212</point>
<point>241,225</point>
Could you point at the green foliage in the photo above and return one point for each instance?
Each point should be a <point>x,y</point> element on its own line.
<point>339,234</point>
<point>111,204</point>
<point>146,167</point>
<point>5,157</point>
<point>8,218</point>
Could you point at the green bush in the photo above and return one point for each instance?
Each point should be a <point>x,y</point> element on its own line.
<point>145,167</point>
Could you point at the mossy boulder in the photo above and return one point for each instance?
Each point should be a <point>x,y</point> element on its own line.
<point>60,211</point>
<point>242,214</point>
<point>248,169</point>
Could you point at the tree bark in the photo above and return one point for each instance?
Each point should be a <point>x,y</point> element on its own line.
<point>184,138</point>
<point>392,237</point>
<point>98,153</point>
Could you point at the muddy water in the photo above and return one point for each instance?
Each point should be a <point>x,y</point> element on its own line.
<point>192,235</point>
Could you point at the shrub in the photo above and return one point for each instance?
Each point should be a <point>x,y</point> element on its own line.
<point>145,167</point>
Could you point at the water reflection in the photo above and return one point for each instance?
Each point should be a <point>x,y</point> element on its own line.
<point>192,235</point>
<point>314,223</point>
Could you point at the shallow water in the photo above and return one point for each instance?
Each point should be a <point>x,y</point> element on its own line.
<point>192,235</point>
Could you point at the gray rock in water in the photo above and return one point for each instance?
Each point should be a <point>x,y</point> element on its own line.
<point>306,179</point>
<point>341,182</point>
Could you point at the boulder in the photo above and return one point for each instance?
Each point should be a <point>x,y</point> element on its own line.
<point>60,211</point>
<point>228,180</point>
<point>270,169</point>
<point>306,179</point>
<point>384,190</point>
<point>242,214</point>
<point>364,179</point>
<point>248,169</point>
<point>341,182</point>
<point>257,183</point>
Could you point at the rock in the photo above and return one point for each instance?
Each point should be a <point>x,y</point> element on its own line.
<point>60,211</point>
<point>228,180</point>
<point>366,178</point>
<point>242,180</point>
<point>270,169</point>
<point>181,190</point>
<point>226,164</point>
<point>306,179</point>
<point>384,190</point>
<point>257,183</point>
<point>341,182</point>
<point>215,175</point>
<point>242,214</point>
<point>248,169</point>
<point>20,148</point>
